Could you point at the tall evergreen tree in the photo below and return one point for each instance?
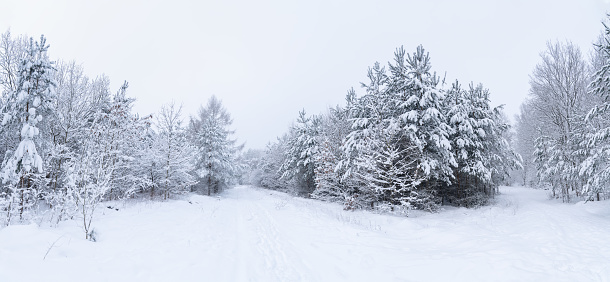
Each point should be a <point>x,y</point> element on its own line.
<point>302,147</point>
<point>369,115</point>
<point>216,150</point>
<point>271,163</point>
<point>334,127</point>
<point>423,127</point>
<point>27,105</point>
<point>596,167</point>
<point>478,145</point>
<point>121,135</point>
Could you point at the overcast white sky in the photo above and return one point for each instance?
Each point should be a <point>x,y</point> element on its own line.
<point>266,60</point>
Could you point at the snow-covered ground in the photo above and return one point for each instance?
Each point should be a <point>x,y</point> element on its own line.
<point>250,234</point>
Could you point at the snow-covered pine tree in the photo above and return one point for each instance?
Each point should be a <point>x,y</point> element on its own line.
<point>216,150</point>
<point>466,145</point>
<point>368,115</point>
<point>272,160</point>
<point>326,179</point>
<point>398,145</point>
<point>424,129</point>
<point>334,127</point>
<point>407,137</point>
<point>497,156</point>
<point>596,167</point>
<point>31,100</point>
<point>302,146</point>
<point>482,154</point>
<point>122,136</point>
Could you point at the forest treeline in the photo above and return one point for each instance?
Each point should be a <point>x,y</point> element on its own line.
<point>411,140</point>
<point>563,128</point>
<point>69,143</point>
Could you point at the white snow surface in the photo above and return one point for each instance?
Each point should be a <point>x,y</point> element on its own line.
<point>251,234</point>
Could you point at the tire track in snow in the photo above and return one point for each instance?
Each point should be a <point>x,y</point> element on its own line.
<point>261,251</point>
<point>272,246</point>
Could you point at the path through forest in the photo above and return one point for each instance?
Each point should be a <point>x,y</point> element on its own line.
<point>251,234</point>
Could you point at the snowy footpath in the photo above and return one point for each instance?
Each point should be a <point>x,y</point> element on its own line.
<point>251,234</point>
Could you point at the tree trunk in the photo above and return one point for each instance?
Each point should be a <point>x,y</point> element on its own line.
<point>209,179</point>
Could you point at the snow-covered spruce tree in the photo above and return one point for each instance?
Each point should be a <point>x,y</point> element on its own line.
<point>27,104</point>
<point>356,166</point>
<point>350,152</point>
<point>172,155</point>
<point>542,149</point>
<point>121,136</point>
<point>413,143</point>
<point>373,163</point>
<point>216,150</point>
<point>302,146</point>
<point>424,129</point>
<point>596,167</point>
<point>499,157</point>
<point>325,177</point>
<point>334,127</point>
<point>398,145</point>
<point>271,162</point>
<point>483,155</point>
<point>468,129</point>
